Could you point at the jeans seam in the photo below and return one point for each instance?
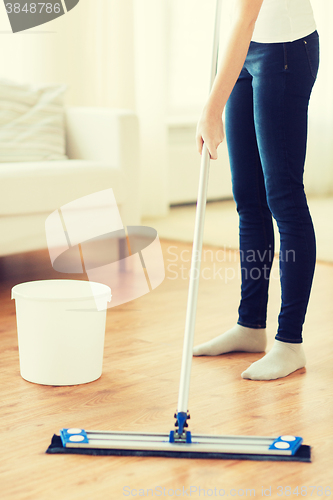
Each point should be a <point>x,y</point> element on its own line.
<point>264,228</point>
<point>287,173</point>
<point>263,294</point>
<point>285,56</point>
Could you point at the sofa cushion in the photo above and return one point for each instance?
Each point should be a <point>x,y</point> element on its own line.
<point>31,122</point>
<point>35,187</point>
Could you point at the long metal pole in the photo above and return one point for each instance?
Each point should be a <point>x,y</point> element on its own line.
<point>185,374</point>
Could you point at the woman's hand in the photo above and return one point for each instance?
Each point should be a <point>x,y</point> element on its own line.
<point>210,131</point>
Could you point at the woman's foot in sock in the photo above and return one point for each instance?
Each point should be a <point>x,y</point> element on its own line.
<point>283,359</point>
<point>238,338</point>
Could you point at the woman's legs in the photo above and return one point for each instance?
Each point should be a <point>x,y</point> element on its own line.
<point>281,101</point>
<point>280,108</point>
<point>282,76</point>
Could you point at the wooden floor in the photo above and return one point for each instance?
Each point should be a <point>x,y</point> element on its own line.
<point>139,387</point>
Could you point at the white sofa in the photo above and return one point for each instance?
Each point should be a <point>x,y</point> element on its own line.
<point>102,145</point>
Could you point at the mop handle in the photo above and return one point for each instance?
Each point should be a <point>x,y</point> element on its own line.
<point>185,374</point>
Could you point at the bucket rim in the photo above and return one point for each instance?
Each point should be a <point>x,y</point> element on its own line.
<point>17,294</point>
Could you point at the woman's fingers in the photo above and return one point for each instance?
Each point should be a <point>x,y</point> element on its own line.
<point>209,145</point>
<point>212,134</point>
<point>212,150</point>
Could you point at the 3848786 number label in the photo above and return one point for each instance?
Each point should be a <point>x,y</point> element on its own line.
<point>25,14</point>
<point>304,491</point>
<point>33,8</point>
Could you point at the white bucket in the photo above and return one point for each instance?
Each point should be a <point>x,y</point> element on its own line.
<point>61,330</point>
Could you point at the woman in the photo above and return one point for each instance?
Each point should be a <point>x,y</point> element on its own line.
<point>264,83</point>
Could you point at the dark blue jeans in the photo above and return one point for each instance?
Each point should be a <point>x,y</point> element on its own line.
<point>266,131</point>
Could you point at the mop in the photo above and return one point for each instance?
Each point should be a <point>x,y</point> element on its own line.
<point>180,442</point>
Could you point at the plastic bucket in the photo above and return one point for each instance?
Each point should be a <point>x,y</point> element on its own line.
<point>61,330</point>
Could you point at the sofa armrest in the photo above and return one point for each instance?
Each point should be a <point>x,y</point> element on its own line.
<point>110,136</point>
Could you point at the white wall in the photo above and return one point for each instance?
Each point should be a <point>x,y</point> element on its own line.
<point>190,41</point>
<point>319,164</point>
<point>150,98</point>
<point>154,57</point>
<point>90,48</point>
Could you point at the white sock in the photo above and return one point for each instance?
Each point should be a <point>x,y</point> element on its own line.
<point>283,359</point>
<point>238,338</point>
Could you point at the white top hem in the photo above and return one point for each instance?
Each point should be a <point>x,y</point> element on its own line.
<point>287,38</point>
